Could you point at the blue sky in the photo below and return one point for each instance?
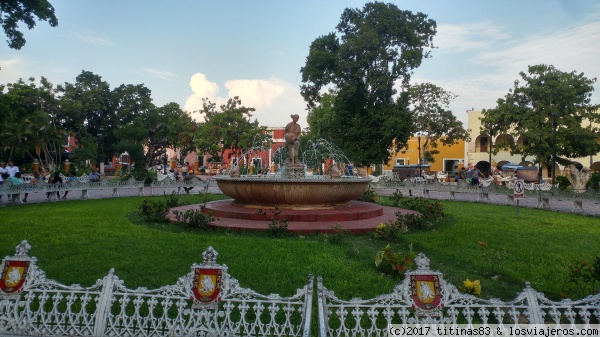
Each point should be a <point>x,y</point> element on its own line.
<point>185,50</point>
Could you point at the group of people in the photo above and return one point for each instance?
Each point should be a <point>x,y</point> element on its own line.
<point>11,173</point>
<point>472,176</point>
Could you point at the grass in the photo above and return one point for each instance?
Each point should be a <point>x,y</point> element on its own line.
<point>80,241</point>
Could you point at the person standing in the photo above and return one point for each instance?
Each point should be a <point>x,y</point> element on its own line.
<point>475,173</point>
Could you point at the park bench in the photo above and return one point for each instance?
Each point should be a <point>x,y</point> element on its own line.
<point>207,301</point>
<point>425,298</point>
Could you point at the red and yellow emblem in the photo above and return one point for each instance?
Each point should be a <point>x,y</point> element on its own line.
<point>13,276</point>
<point>207,284</point>
<point>425,291</point>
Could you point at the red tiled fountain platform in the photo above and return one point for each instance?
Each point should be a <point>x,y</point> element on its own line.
<point>358,217</point>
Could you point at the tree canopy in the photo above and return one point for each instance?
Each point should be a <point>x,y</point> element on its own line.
<point>432,118</point>
<point>374,49</point>
<point>14,11</point>
<point>227,128</point>
<point>526,113</point>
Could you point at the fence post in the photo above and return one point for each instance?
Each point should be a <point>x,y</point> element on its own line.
<point>535,314</point>
<point>104,303</point>
<point>308,306</point>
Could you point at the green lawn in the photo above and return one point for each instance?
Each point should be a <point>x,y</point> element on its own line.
<point>79,241</point>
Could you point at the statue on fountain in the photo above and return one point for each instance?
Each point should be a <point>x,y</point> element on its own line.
<point>293,167</point>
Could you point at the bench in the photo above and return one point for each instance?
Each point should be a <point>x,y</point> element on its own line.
<point>207,301</point>
<point>424,297</point>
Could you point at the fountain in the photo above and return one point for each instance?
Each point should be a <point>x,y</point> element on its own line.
<point>310,202</point>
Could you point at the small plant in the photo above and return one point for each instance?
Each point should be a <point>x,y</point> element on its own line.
<point>432,213</point>
<point>172,200</point>
<point>412,221</point>
<point>394,263</point>
<point>368,196</point>
<point>396,198</point>
<point>277,227</point>
<point>195,217</point>
<point>338,234</point>
<point>472,287</point>
<point>492,257</point>
<point>390,231</point>
<point>153,210</point>
<point>563,182</point>
<point>583,277</point>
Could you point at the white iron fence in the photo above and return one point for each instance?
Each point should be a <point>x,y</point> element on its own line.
<point>205,302</point>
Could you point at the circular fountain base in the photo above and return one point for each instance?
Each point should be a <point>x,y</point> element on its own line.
<point>356,216</point>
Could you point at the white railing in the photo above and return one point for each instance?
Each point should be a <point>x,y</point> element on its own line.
<point>205,302</point>
<point>424,297</point>
<point>209,302</point>
<point>83,185</point>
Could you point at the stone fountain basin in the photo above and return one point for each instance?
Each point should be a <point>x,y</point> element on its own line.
<point>312,192</point>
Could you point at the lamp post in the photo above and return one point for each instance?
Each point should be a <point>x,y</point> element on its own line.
<point>99,157</point>
<point>540,158</point>
<point>554,125</point>
<point>165,155</point>
<point>419,162</point>
<point>489,126</point>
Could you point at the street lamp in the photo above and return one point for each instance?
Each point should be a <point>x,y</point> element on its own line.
<point>554,125</point>
<point>165,155</point>
<point>490,149</point>
<point>419,162</point>
<point>98,161</point>
<point>540,158</point>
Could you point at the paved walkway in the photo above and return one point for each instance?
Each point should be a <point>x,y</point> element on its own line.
<point>589,208</point>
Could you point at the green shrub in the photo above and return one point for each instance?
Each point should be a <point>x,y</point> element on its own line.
<point>277,227</point>
<point>390,231</point>
<point>338,234</point>
<point>154,210</point>
<point>172,200</point>
<point>394,263</point>
<point>195,217</point>
<point>432,213</point>
<point>594,182</point>
<point>562,182</point>
<point>368,196</point>
<point>396,198</point>
<point>583,278</point>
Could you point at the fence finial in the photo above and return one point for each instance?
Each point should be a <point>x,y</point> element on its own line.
<point>422,262</point>
<point>23,249</point>
<point>209,256</point>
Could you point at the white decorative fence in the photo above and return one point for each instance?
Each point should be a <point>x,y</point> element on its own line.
<point>205,302</point>
<point>209,302</point>
<point>543,193</point>
<point>424,297</point>
<point>16,192</point>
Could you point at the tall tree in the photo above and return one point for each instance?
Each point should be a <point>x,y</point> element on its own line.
<point>432,118</point>
<point>526,113</point>
<point>374,48</point>
<point>30,130</point>
<point>227,128</point>
<point>14,11</point>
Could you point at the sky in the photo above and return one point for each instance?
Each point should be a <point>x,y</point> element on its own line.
<point>186,50</point>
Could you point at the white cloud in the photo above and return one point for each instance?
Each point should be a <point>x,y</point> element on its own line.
<point>570,49</point>
<point>93,39</point>
<point>460,38</point>
<point>274,99</point>
<point>163,74</point>
<point>12,69</point>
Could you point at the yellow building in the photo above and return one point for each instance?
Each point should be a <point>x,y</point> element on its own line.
<point>449,159</point>
<point>478,150</point>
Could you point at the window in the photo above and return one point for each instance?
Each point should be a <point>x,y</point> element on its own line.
<point>400,161</point>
